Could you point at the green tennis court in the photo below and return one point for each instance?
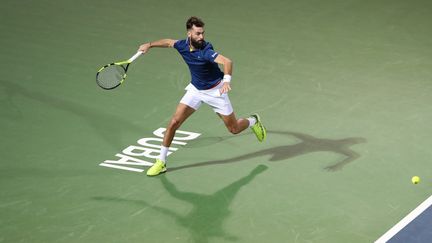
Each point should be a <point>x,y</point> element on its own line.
<point>343,87</point>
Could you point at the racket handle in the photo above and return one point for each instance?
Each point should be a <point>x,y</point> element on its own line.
<point>135,56</point>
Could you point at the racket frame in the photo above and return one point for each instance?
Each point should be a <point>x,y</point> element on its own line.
<point>121,64</point>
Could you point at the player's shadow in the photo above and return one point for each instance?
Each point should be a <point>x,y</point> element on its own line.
<point>206,219</point>
<point>204,141</point>
<point>307,144</point>
<point>107,126</point>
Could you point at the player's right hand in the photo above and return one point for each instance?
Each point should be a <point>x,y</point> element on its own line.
<point>144,47</point>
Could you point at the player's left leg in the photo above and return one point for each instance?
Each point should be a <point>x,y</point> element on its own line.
<point>233,124</point>
<point>222,106</point>
<point>236,126</point>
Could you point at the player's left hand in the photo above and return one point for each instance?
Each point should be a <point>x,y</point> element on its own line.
<point>225,88</point>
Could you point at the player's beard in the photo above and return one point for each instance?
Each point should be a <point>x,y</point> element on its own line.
<point>197,44</point>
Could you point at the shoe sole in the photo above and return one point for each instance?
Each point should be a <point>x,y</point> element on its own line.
<point>261,126</point>
<point>158,174</point>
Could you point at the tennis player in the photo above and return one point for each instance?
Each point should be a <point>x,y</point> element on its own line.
<point>208,85</point>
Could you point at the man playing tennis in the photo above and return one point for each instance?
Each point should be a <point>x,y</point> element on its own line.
<point>209,85</point>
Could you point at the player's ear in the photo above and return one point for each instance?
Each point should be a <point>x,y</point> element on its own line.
<point>189,34</point>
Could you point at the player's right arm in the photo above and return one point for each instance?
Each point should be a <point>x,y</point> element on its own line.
<point>159,43</point>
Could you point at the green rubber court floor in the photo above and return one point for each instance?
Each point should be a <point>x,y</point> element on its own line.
<point>343,87</point>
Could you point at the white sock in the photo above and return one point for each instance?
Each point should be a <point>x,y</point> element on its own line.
<point>163,154</point>
<point>251,120</point>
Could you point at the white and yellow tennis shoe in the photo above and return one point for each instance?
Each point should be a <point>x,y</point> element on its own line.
<point>259,128</point>
<point>157,168</point>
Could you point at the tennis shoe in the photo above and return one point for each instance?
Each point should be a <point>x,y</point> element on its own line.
<point>157,168</point>
<point>259,128</point>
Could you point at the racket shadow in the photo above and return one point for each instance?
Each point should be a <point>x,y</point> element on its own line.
<point>105,125</point>
<point>209,212</point>
<point>307,144</point>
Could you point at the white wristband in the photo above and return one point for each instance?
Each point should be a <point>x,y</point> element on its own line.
<point>226,78</point>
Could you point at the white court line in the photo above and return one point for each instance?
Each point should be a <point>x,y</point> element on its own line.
<point>405,221</point>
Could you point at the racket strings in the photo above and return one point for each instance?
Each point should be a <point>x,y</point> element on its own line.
<point>111,76</point>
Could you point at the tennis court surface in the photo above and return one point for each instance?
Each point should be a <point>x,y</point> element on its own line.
<point>343,87</point>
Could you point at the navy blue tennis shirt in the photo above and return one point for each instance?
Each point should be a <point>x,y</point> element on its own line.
<point>204,70</point>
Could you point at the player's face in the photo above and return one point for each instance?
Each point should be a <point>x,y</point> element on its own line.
<point>196,35</point>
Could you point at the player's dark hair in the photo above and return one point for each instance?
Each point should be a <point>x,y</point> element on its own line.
<point>194,21</point>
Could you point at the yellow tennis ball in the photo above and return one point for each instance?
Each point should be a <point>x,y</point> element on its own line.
<point>415,180</point>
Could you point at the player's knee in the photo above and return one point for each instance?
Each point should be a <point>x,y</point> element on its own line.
<point>174,124</point>
<point>233,130</point>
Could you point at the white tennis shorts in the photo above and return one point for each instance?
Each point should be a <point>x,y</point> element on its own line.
<point>220,103</point>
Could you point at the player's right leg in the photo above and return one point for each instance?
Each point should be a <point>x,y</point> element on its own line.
<point>182,112</point>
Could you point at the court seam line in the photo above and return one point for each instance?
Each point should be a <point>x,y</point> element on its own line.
<point>405,221</point>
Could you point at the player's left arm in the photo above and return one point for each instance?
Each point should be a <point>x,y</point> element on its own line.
<point>227,67</point>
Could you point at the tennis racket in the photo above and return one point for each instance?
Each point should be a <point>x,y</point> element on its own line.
<point>112,75</point>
